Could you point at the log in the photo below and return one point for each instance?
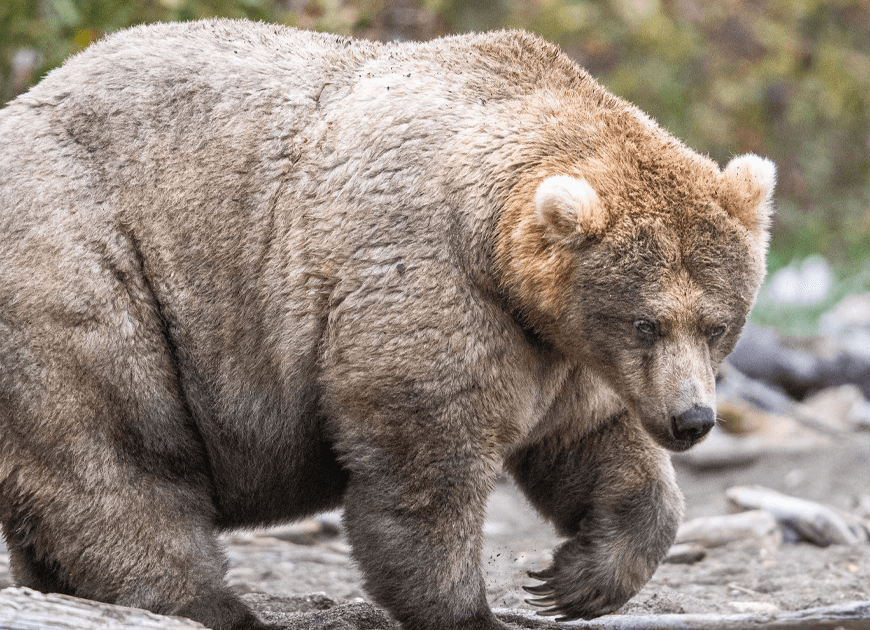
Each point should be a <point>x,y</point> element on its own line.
<point>812,521</point>
<point>685,553</point>
<point>850,616</point>
<point>715,531</point>
<point>26,609</point>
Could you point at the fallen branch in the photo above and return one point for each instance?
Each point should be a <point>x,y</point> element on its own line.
<point>25,609</point>
<point>812,521</point>
<point>715,531</point>
<point>850,616</point>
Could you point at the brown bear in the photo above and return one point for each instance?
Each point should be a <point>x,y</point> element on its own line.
<point>249,273</point>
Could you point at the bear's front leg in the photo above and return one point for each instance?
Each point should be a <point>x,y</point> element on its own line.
<point>613,493</point>
<point>414,512</point>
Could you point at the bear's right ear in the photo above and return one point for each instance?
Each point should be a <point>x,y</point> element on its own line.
<point>568,207</point>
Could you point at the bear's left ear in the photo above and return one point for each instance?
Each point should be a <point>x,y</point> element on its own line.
<point>747,192</point>
<point>569,207</point>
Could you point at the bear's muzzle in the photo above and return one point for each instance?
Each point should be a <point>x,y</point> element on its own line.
<point>694,424</point>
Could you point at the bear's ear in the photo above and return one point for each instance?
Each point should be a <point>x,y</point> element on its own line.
<point>747,192</point>
<point>569,207</point>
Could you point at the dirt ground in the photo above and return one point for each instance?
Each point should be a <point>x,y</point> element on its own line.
<point>740,577</point>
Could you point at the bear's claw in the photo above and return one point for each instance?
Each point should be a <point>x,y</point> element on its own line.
<point>542,589</point>
<point>541,603</point>
<point>568,607</point>
<point>543,576</point>
<point>545,592</point>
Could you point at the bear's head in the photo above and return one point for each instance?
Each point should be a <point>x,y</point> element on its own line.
<point>645,269</point>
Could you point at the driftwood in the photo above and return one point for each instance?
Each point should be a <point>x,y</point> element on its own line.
<point>851,616</point>
<point>24,609</point>
<point>715,531</point>
<point>811,521</point>
<point>723,451</point>
<point>685,553</point>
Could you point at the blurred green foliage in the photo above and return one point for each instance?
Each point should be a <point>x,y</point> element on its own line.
<point>52,30</point>
<point>788,79</point>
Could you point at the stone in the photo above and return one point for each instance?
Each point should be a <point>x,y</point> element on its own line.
<point>806,284</point>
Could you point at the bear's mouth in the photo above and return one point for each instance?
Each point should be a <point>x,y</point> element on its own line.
<point>664,435</point>
<point>681,445</point>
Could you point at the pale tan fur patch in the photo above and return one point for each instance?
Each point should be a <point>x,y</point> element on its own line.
<point>748,183</point>
<point>570,207</point>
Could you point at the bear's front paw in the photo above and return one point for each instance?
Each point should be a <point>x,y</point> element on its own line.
<point>586,582</point>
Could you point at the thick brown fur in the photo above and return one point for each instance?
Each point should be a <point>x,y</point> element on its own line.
<point>249,273</point>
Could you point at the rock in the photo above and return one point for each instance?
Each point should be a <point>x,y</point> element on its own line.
<point>742,402</point>
<point>851,315</point>
<point>813,522</point>
<point>733,385</point>
<point>289,603</point>
<point>848,616</point>
<point>805,284</point>
<point>353,616</point>
<point>715,531</point>
<point>25,609</point>
<point>720,450</point>
<point>801,366</point>
<point>331,523</point>
<point>760,354</point>
<point>851,364</point>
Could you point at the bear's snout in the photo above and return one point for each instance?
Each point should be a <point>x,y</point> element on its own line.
<point>692,425</point>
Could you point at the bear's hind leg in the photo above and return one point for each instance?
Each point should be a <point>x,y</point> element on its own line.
<point>613,493</point>
<point>32,571</point>
<point>416,534</point>
<point>105,491</point>
<point>146,547</point>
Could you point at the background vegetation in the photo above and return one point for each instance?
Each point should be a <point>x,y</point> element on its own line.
<point>789,79</point>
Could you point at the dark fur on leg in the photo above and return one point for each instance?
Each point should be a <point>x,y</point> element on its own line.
<point>223,611</point>
<point>391,519</point>
<point>620,513</point>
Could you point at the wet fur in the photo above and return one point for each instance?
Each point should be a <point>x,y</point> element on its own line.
<point>249,273</point>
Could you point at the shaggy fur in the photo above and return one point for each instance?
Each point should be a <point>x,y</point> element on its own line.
<point>249,273</point>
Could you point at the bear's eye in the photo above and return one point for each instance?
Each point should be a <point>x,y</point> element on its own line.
<point>717,332</point>
<point>646,330</point>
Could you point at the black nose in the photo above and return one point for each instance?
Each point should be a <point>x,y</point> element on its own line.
<point>693,424</point>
